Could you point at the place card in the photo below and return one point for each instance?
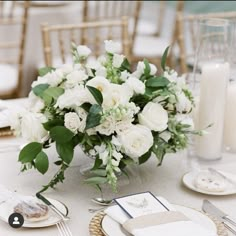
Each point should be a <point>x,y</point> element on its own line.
<point>141,204</point>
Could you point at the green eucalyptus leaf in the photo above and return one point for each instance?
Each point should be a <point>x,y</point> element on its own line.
<point>163,59</point>
<point>125,65</point>
<point>41,162</point>
<point>147,68</point>
<point>65,151</point>
<point>52,123</point>
<point>53,92</point>
<point>94,116</point>
<point>97,163</point>
<point>96,180</point>
<point>44,70</point>
<point>29,152</point>
<point>39,89</point>
<point>58,163</point>
<point>96,94</point>
<point>61,134</point>
<point>86,106</point>
<point>157,82</point>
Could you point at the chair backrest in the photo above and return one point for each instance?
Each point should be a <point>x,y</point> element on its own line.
<point>187,30</point>
<point>91,34</point>
<point>110,10</point>
<point>13,24</point>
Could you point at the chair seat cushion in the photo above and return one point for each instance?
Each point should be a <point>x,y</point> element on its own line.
<point>144,27</point>
<point>8,79</point>
<point>150,46</point>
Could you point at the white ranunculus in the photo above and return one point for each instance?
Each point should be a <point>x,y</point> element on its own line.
<point>74,78</point>
<point>101,71</point>
<point>183,104</point>
<point>72,121</point>
<point>112,47</point>
<point>154,116</point>
<point>116,95</point>
<point>72,98</point>
<point>83,51</point>
<point>117,60</point>
<point>136,85</point>
<point>36,104</point>
<point>124,75</point>
<point>107,127</point>
<point>100,83</point>
<point>136,140</point>
<point>32,128</point>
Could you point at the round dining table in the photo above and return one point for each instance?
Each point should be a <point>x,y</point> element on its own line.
<point>165,181</point>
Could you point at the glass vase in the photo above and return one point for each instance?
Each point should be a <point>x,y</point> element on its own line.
<point>211,76</point>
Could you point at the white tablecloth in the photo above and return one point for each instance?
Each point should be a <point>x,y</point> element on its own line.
<point>163,181</point>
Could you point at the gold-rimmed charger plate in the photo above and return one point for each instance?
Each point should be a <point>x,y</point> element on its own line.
<point>95,226</point>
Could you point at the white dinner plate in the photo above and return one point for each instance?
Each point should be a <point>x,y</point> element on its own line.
<point>188,180</point>
<point>112,228</point>
<point>6,209</point>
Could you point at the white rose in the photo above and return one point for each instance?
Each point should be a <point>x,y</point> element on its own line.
<point>136,85</point>
<point>136,140</point>
<point>100,83</point>
<point>40,80</point>
<point>154,116</point>
<point>72,121</point>
<point>124,75</point>
<point>117,60</point>
<point>183,104</point>
<point>107,127</point>
<point>72,98</point>
<point>36,104</point>
<point>32,128</point>
<point>83,51</point>
<point>65,69</point>
<point>74,78</point>
<point>112,47</point>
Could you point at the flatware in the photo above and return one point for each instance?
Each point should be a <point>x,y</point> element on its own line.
<point>51,206</point>
<point>63,229</point>
<point>216,172</point>
<point>209,208</point>
<point>102,201</point>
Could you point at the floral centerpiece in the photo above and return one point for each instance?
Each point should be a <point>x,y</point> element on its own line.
<point>116,116</point>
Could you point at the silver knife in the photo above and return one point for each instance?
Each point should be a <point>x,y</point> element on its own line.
<point>51,206</point>
<point>209,208</point>
<point>216,172</point>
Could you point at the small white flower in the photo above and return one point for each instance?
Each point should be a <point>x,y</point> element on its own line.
<point>107,127</point>
<point>117,60</point>
<point>154,116</point>
<point>36,104</point>
<point>117,155</point>
<point>112,47</point>
<point>136,140</point>
<point>65,69</point>
<point>124,75</point>
<point>83,51</point>
<point>185,120</point>
<point>183,103</point>
<point>136,85</point>
<point>74,78</point>
<point>123,125</point>
<point>141,67</point>
<point>101,71</point>
<point>102,59</point>
<point>72,121</point>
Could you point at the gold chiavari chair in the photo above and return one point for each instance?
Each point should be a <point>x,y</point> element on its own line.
<point>13,26</point>
<point>110,10</point>
<point>91,34</point>
<point>187,30</point>
<point>153,46</point>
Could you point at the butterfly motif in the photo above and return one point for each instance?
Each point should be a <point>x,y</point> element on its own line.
<point>138,203</point>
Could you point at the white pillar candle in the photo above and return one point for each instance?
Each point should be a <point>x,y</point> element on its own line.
<point>213,88</point>
<point>230,118</point>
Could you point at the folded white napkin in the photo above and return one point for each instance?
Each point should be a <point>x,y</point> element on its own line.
<point>178,228</point>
